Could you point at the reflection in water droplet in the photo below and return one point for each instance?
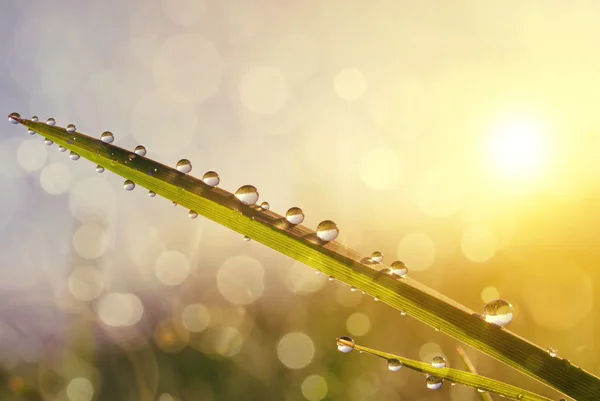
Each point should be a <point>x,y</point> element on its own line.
<point>128,185</point>
<point>394,365</point>
<point>434,382</point>
<point>35,119</point>
<point>294,215</point>
<point>184,165</point>
<point>192,214</point>
<point>438,362</point>
<point>140,150</point>
<point>247,194</point>
<point>398,269</point>
<point>377,257</point>
<point>151,194</point>
<point>211,178</point>
<point>498,312</point>
<point>48,141</point>
<point>73,156</point>
<point>71,128</point>
<point>345,344</point>
<point>246,238</point>
<point>107,137</point>
<point>553,352</point>
<point>327,230</point>
<point>265,205</point>
<point>13,118</point>
<point>61,148</point>
<point>51,121</point>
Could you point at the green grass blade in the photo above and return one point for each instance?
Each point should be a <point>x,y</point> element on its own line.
<point>471,368</point>
<point>333,259</point>
<point>454,375</point>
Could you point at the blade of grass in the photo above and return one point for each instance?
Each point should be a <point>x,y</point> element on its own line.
<point>454,375</point>
<point>471,368</point>
<point>333,259</point>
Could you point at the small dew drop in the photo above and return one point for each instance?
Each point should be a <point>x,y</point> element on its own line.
<point>553,352</point>
<point>345,344</point>
<point>62,149</point>
<point>331,278</point>
<point>51,121</point>
<point>327,230</point>
<point>140,150</point>
<point>173,203</point>
<point>377,257</point>
<point>265,206</point>
<point>13,118</point>
<point>480,390</point>
<point>184,165</point>
<point>403,312</point>
<point>99,169</point>
<point>294,215</point>
<point>73,156</point>
<point>434,382</point>
<point>353,289</point>
<point>247,194</point>
<point>438,362</point>
<point>30,131</point>
<point>211,178</point>
<point>107,137</point>
<point>151,194</point>
<point>71,128</point>
<point>192,214</point>
<point>128,185</point>
<point>376,299</point>
<point>498,312</point>
<point>394,365</point>
<point>246,238</point>
<point>35,119</point>
<point>48,141</point>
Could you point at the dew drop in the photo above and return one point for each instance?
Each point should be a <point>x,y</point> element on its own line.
<point>294,215</point>
<point>30,131</point>
<point>327,230</point>
<point>184,165</point>
<point>246,238</point>
<point>48,141</point>
<point>438,362</point>
<point>173,203</point>
<point>192,214</point>
<point>140,150</point>
<point>331,278</point>
<point>35,119</point>
<point>376,299</point>
<point>99,169</point>
<point>498,312</point>
<point>71,128</point>
<point>394,365</point>
<point>353,289</point>
<point>247,194</point>
<point>403,312</point>
<point>51,121</point>
<point>377,257</point>
<point>345,344</point>
<point>107,137</point>
<point>13,118</point>
<point>151,194</point>
<point>61,148</point>
<point>553,352</point>
<point>73,156</point>
<point>480,390</point>
<point>434,382</point>
<point>399,268</point>
<point>265,206</point>
<point>211,178</point>
<point>128,185</point>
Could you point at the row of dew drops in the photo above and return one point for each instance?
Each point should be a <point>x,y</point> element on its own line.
<point>498,312</point>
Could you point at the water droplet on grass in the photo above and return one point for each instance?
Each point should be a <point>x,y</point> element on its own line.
<point>498,312</point>
<point>265,206</point>
<point>51,121</point>
<point>211,178</point>
<point>394,365</point>
<point>48,141</point>
<point>173,203</point>
<point>71,128</point>
<point>345,344</point>
<point>377,257</point>
<point>184,165</point>
<point>331,278</point>
<point>246,238</point>
<point>30,131</point>
<point>13,118</point>
<point>140,150</point>
<point>294,215</point>
<point>61,148</point>
<point>398,268</point>
<point>247,194</point>
<point>438,362</point>
<point>553,352</point>
<point>107,137</point>
<point>434,382</point>
<point>353,289</point>
<point>128,185</point>
<point>151,194</point>
<point>192,214</point>
<point>327,230</point>
<point>99,169</point>
<point>73,156</point>
<point>35,119</point>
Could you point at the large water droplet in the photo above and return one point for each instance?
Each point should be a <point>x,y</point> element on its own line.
<point>294,215</point>
<point>184,165</point>
<point>247,194</point>
<point>265,206</point>
<point>438,362</point>
<point>140,150</point>
<point>128,185</point>
<point>434,382</point>
<point>73,156</point>
<point>377,257</point>
<point>398,268</point>
<point>51,121</point>
<point>345,344</point>
<point>553,352</point>
<point>107,137</point>
<point>71,128</point>
<point>192,214</point>
<point>30,131</point>
<point>99,169</point>
<point>35,119</point>
<point>61,148</point>
<point>327,230</point>
<point>498,312</point>
<point>13,118</point>
<point>211,178</point>
<point>246,238</point>
<point>394,365</point>
<point>48,141</point>
<point>151,194</point>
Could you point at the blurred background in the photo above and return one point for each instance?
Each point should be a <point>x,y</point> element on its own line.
<point>461,137</point>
